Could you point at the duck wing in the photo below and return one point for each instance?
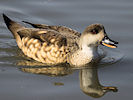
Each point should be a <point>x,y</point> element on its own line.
<point>68,32</point>
<point>44,35</point>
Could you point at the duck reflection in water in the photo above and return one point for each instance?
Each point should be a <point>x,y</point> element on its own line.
<point>88,77</point>
<point>90,85</point>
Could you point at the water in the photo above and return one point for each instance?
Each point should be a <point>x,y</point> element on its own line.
<point>115,15</point>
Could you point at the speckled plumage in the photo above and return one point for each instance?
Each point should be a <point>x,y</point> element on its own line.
<point>57,44</point>
<point>46,44</point>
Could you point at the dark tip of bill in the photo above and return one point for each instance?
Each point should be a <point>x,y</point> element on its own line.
<point>116,42</point>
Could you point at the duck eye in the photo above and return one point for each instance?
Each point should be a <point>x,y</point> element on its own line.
<point>94,31</point>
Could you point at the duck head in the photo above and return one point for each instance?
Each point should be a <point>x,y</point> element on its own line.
<point>94,35</point>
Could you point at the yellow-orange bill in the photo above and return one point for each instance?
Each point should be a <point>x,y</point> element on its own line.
<point>108,45</point>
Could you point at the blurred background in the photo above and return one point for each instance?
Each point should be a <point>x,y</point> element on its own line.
<point>115,15</point>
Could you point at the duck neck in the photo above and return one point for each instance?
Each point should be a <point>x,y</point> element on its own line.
<point>90,51</point>
<point>83,56</point>
<point>88,46</point>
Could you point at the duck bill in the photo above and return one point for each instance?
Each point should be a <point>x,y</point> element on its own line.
<point>108,42</point>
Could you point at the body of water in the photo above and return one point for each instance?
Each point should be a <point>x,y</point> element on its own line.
<point>115,15</point>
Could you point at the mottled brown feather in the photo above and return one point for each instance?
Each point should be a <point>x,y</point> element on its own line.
<point>68,32</point>
<point>55,44</point>
<point>43,35</point>
<point>46,46</point>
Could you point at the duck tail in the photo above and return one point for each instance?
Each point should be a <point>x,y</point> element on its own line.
<point>7,20</point>
<point>12,25</point>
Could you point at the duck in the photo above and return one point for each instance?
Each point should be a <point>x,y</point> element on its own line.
<point>52,45</point>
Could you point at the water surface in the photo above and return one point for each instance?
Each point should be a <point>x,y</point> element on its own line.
<point>115,15</point>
